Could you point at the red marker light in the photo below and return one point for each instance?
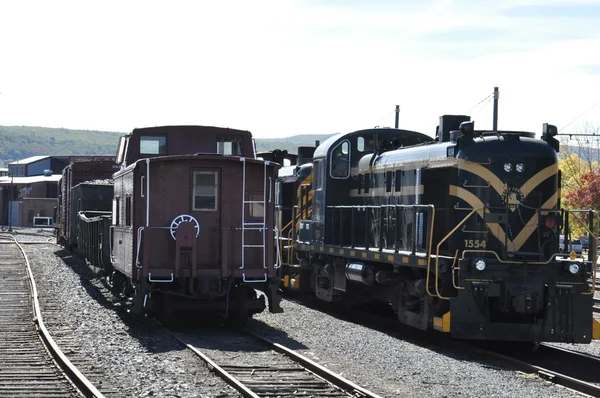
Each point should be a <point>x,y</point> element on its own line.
<point>550,222</point>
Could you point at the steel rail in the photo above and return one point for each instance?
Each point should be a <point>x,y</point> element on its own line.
<point>329,376</point>
<point>317,369</point>
<point>74,375</point>
<point>548,374</point>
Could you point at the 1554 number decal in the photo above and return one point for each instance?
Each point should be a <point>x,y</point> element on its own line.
<point>475,244</point>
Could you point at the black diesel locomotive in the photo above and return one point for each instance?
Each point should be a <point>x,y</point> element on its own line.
<point>458,233</point>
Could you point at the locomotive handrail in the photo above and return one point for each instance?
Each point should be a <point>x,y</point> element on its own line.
<point>466,185</point>
<point>277,264</point>
<point>453,269</point>
<point>593,214</point>
<point>512,261</point>
<point>414,207</point>
<point>463,229</point>
<point>437,256</point>
<point>594,260</point>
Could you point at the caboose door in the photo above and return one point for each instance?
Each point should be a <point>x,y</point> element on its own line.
<point>206,207</point>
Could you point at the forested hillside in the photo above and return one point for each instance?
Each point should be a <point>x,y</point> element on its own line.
<point>20,142</point>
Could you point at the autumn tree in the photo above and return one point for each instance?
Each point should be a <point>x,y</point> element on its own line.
<point>580,168</point>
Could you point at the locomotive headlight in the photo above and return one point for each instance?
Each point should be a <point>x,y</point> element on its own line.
<point>508,167</point>
<point>479,264</point>
<point>574,268</point>
<point>520,167</point>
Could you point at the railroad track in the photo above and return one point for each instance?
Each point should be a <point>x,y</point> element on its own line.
<point>267,369</point>
<point>574,370</point>
<point>31,363</point>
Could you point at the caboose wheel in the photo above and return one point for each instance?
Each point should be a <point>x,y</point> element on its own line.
<point>165,313</point>
<point>238,312</point>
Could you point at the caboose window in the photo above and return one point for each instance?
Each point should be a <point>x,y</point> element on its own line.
<point>205,190</point>
<point>340,160</point>
<point>153,145</point>
<point>229,146</point>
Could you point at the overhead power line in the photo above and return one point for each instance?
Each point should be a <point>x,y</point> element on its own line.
<point>480,102</point>
<point>567,125</point>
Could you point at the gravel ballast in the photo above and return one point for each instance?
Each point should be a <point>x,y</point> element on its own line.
<point>142,360</point>
<point>394,366</point>
<point>138,357</point>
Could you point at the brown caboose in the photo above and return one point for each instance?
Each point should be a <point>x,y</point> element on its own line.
<point>193,222</point>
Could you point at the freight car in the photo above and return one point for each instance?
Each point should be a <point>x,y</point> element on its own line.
<point>192,223</point>
<point>80,170</point>
<point>459,233</point>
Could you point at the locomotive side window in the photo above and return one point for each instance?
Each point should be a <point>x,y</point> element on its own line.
<point>388,181</point>
<point>153,145</point>
<point>229,146</point>
<point>340,160</point>
<point>360,183</point>
<point>317,179</point>
<point>398,186</point>
<point>206,184</point>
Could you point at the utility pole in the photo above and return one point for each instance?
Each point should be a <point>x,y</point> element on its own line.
<point>397,115</point>
<point>496,95</point>
<point>10,196</point>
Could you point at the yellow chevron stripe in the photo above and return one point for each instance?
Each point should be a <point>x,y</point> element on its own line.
<point>484,173</point>
<point>533,223</point>
<point>495,228</point>
<point>537,179</point>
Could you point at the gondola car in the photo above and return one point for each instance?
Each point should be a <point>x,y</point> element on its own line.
<point>459,233</point>
<point>192,223</point>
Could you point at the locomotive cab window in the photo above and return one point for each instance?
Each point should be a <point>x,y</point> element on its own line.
<point>340,160</point>
<point>365,144</point>
<point>206,184</point>
<point>153,145</point>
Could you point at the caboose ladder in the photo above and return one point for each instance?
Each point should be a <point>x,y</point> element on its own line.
<point>255,225</point>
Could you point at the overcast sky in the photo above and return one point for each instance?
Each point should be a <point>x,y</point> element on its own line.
<point>279,68</point>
